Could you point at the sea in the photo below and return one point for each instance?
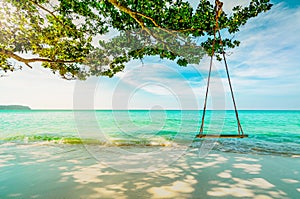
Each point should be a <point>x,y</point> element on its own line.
<point>148,154</point>
<point>269,132</point>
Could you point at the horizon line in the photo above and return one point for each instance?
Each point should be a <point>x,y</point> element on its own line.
<point>59,109</point>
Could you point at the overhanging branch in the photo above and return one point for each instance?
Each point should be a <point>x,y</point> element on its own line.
<point>10,54</point>
<point>133,14</point>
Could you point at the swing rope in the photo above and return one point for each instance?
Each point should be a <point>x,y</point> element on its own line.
<point>208,82</point>
<point>218,11</point>
<point>240,129</point>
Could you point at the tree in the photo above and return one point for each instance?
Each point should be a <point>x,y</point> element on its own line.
<point>59,33</point>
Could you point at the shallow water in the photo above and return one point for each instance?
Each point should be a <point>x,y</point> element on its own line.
<point>270,132</point>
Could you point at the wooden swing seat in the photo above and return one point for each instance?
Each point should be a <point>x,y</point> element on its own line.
<point>220,136</point>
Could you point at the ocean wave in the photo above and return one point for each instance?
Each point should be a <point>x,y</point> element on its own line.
<point>283,145</point>
<point>54,139</point>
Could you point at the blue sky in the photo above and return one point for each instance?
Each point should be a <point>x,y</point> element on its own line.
<point>265,73</point>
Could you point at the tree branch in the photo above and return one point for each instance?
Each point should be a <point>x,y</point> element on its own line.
<point>164,29</point>
<point>53,15</point>
<point>134,13</point>
<point>45,9</point>
<point>10,54</point>
<point>131,13</point>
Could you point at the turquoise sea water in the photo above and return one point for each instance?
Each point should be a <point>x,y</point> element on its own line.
<point>270,132</point>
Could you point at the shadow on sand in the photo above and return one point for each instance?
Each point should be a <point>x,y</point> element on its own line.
<point>68,171</point>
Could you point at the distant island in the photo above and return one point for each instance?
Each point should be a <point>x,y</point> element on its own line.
<point>14,107</point>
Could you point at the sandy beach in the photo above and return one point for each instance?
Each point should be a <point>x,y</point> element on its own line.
<point>69,171</point>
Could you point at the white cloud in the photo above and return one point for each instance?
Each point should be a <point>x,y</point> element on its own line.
<point>163,83</point>
<point>266,64</point>
<point>270,44</point>
<point>156,79</point>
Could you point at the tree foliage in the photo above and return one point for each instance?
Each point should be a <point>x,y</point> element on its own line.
<point>61,34</point>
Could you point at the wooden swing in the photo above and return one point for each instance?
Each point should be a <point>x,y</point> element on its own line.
<point>218,10</point>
